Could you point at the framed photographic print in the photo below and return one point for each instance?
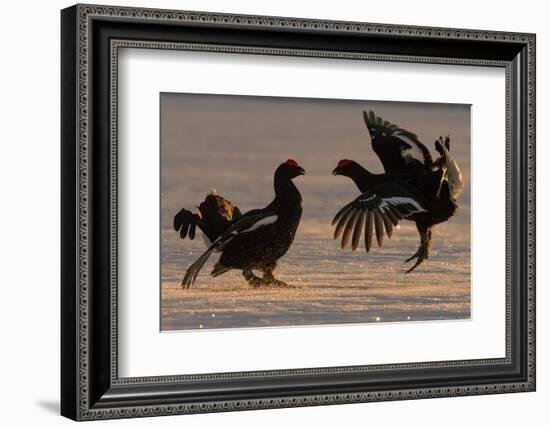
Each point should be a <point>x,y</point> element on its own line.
<point>263,212</point>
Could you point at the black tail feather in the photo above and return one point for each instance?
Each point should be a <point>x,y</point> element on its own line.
<point>192,272</point>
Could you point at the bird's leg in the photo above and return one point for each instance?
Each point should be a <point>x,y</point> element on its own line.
<point>252,279</point>
<point>423,251</point>
<point>274,282</point>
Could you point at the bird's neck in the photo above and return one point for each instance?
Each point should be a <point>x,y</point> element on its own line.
<point>364,179</point>
<point>286,193</point>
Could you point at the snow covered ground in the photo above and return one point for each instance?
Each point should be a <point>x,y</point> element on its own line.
<point>235,144</point>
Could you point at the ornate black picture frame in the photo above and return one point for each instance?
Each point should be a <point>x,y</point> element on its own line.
<point>91,387</point>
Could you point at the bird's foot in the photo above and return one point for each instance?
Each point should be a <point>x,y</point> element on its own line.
<point>421,255</point>
<point>267,283</point>
<point>253,280</point>
<point>280,284</point>
<point>271,281</point>
<point>256,282</point>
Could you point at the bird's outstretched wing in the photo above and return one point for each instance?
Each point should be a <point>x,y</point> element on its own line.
<point>376,210</point>
<point>185,222</point>
<point>398,149</point>
<point>249,222</point>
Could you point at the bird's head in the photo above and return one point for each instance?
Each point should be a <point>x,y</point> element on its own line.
<point>346,168</point>
<point>290,169</point>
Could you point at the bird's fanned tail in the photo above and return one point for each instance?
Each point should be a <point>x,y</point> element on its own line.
<point>375,213</point>
<point>350,226</point>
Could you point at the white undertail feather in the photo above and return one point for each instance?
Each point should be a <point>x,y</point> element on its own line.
<point>212,191</point>
<point>453,175</point>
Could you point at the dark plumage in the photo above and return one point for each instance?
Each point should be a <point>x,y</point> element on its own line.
<point>413,187</point>
<point>214,216</point>
<point>398,149</point>
<point>254,240</point>
<point>379,208</point>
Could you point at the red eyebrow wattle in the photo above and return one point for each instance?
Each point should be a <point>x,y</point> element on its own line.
<point>291,162</point>
<point>343,163</point>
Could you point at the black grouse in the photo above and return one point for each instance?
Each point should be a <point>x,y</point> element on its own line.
<point>413,187</point>
<point>255,240</point>
<point>214,216</point>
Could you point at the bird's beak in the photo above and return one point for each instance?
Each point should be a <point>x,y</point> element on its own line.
<point>301,171</point>
<point>336,171</point>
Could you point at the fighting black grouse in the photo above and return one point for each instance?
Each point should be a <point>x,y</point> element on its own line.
<point>255,240</point>
<point>413,187</point>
